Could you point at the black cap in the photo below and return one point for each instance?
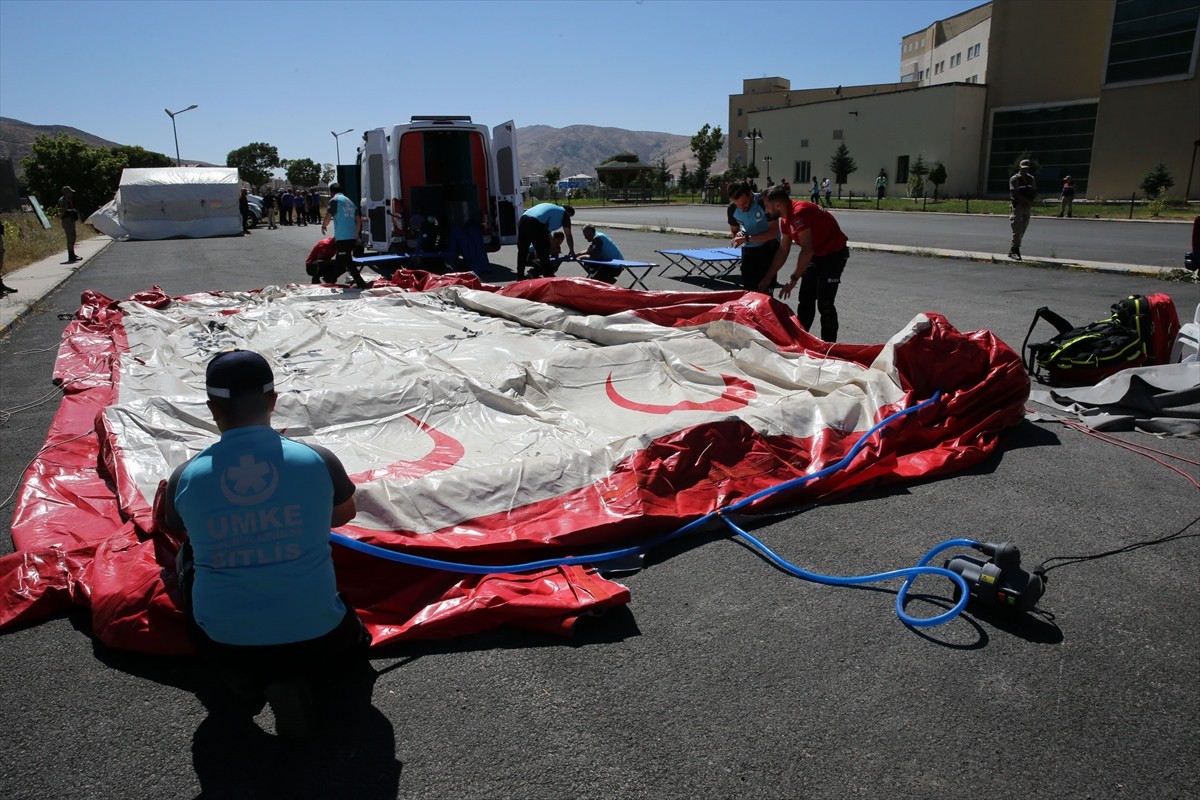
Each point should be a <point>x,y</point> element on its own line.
<point>239,373</point>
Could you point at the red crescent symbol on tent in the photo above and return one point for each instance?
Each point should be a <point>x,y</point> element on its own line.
<point>737,394</point>
<point>446,452</point>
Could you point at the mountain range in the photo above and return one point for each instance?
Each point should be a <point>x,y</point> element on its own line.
<point>575,149</point>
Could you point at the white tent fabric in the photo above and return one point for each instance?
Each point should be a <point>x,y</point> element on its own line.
<point>165,202</point>
<point>421,397</point>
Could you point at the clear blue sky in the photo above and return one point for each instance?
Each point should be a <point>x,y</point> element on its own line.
<point>290,73</point>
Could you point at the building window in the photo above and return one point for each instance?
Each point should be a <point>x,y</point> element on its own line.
<point>902,170</point>
<point>1060,137</point>
<point>804,142</point>
<point>973,52</point>
<point>837,133</point>
<point>739,112</point>
<point>1151,39</point>
<point>977,48</point>
<point>955,59</point>
<point>803,172</point>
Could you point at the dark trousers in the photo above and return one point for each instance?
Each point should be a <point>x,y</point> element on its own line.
<point>755,263</point>
<point>345,261</point>
<point>818,290</point>
<point>532,231</point>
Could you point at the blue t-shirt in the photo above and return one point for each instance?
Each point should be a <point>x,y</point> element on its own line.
<point>754,220</point>
<point>603,248</point>
<point>257,509</point>
<point>551,215</point>
<point>343,210</point>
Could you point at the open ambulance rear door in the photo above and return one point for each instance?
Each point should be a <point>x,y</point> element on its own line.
<point>508,180</point>
<point>376,190</point>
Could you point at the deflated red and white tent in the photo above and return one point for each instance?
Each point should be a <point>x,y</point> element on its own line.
<point>550,417</point>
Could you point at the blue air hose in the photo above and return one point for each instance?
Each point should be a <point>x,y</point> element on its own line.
<point>909,574</point>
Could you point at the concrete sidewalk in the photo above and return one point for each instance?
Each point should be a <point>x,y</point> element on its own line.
<point>35,281</point>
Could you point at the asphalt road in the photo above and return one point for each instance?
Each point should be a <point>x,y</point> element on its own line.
<point>724,678</point>
<point>1157,244</point>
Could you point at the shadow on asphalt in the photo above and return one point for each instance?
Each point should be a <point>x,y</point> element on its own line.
<point>352,754</point>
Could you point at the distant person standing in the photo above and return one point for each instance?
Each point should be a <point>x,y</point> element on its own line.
<point>1022,192</point>
<point>298,204</point>
<point>313,208</point>
<point>534,229</point>
<point>244,208</point>
<point>68,214</point>
<point>814,192</point>
<point>823,257</point>
<point>881,185</point>
<point>753,232</point>
<point>285,207</point>
<point>347,228</point>
<point>827,187</point>
<point>1067,199</point>
<point>269,203</point>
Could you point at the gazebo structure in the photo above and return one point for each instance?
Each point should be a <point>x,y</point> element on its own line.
<point>622,172</point>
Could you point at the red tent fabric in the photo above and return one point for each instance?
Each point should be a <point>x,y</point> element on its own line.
<point>85,535</point>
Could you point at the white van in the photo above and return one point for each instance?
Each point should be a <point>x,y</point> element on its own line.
<point>446,168</point>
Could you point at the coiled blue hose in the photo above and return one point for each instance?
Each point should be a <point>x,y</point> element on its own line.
<point>909,573</point>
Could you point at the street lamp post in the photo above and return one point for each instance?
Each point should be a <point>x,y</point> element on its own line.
<point>768,160</point>
<point>337,143</point>
<point>172,115</point>
<point>753,139</point>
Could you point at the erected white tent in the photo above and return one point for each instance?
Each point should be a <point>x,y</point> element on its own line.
<point>163,202</point>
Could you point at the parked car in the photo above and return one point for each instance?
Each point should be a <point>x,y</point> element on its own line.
<point>256,209</point>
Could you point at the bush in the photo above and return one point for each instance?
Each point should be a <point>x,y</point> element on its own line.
<point>1156,179</point>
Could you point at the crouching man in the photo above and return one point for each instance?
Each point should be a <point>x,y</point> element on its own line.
<point>256,568</point>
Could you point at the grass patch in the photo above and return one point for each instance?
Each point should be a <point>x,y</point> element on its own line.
<point>26,241</point>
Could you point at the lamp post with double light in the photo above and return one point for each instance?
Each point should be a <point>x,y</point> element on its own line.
<point>753,138</point>
<point>174,130</point>
<point>337,143</point>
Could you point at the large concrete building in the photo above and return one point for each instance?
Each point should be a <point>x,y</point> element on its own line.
<point>1101,90</point>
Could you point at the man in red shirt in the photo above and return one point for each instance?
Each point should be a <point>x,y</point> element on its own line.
<point>823,256</point>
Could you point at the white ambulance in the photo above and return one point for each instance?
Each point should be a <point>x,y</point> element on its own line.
<point>446,169</point>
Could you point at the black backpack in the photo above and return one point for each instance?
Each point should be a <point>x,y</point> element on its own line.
<point>1095,351</point>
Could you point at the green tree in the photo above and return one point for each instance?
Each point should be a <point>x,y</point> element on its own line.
<point>685,178</point>
<point>255,161</point>
<point>303,172</point>
<point>664,175</point>
<point>328,173</point>
<point>707,142</point>
<point>93,172</point>
<point>140,158</point>
<point>1157,178</point>
<point>552,175</point>
<point>937,176</point>
<point>916,177</point>
<point>842,166</point>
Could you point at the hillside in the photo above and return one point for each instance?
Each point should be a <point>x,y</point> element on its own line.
<point>575,149</point>
<point>580,148</point>
<point>16,138</point>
